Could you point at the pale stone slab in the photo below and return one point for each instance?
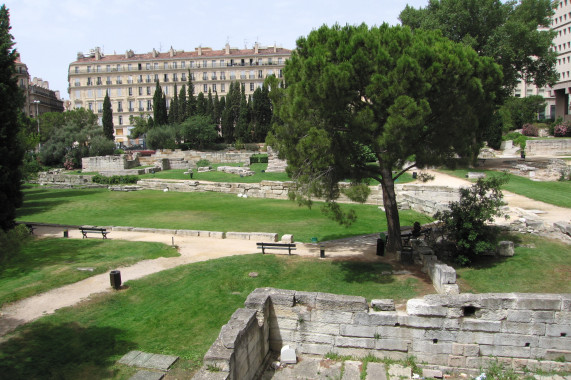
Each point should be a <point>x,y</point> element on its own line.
<point>147,375</point>
<point>161,362</point>
<point>376,371</point>
<point>288,355</point>
<point>352,370</point>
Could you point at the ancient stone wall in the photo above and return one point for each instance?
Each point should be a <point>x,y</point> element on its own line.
<point>108,163</point>
<point>549,147</point>
<point>456,332</point>
<point>426,199</point>
<point>50,178</point>
<point>192,156</point>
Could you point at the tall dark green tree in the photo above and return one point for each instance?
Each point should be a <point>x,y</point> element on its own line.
<point>216,111</point>
<point>221,108</point>
<point>210,105</point>
<point>191,99</point>
<point>11,102</point>
<point>182,104</point>
<point>242,131</point>
<point>352,91</point>
<point>201,104</point>
<point>261,113</point>
<point>516,34</point>
<point>159,107</point>
<point>174,108</point>
<point>227,121</point>
<point>107,118</point>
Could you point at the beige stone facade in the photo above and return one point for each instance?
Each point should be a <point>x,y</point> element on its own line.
<point>130,78</point>
<point>39,98</point>
<point>561,24</point>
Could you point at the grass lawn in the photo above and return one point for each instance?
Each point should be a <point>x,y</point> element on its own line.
<point>197,211</point>
<point>178,312</point>
<point>44,264</point>
<point>544,268</point>
<point>555,193</point>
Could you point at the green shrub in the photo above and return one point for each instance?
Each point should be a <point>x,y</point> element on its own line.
<point>202,163</point>
<point>258,159</point>
<point>115,179</point>
<point>465,223</point>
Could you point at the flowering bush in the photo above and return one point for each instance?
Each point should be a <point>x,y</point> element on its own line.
<point>561,130</point>
<point>529,130</point>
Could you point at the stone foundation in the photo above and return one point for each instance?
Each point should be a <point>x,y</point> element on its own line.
<point>549,147</point>
<point>456,332</point>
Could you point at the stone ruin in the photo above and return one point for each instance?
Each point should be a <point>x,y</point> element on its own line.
<point>463,332</point>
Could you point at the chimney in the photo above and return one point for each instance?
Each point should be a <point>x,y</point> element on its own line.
<point>155,53</point>
<point>80,55</point>
<point>199,50</point>
<point>172,52</point>
<point>227,48</point>
<point>275,48</point>
<point>97,53</point>
<point>256,48</point>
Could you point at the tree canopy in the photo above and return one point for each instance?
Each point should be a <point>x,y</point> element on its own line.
<point>515,33</point>
<point>356,92</point>
<point>11,150</point>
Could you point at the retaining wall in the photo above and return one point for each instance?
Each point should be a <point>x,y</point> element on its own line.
<point>45,178</point>
<point>549,147</point>
<point>192,156</point>
<point>108,163</point>
<point>464,332</point>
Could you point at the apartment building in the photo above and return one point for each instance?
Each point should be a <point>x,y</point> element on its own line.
<point>130,79</point>
<point>39,97</point>
<point>561,24</point>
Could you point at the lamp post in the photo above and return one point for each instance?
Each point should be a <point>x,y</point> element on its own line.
<point>37,103</point>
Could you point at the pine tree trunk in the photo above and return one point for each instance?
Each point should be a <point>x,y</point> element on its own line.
<point>391,210</point>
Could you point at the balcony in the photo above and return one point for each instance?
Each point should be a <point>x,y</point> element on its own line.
<point>242,76</point>
<point>252,76</point>
<point>108,82</point>
<point>77,84</point>
<point>99,83</point>
<point>141,109</point>
<point>119,109</point>
<point>130,81</point>
<point>131,110</point>
<point>214,77</point>
<point>119,82</point>
<point>139,81</point>
<point>148,80</point>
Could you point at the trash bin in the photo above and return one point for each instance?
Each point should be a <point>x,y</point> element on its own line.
<point>380,247</point>
<point>115,277</point>
<point>322,251</point>
<point>191,174</point>
<point>65,233</point>
<point>414,175</point>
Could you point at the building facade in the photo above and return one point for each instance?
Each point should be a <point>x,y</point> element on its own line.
<point>561,24</point>
<point>39,98</point>
<point>130,79</point>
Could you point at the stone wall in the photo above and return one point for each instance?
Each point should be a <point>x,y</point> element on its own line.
<point>549,147</point>
<point>108,163</point>
<point>426,199</point>
<point>455,332</point>
<point>51,178</point>
<point>192,156</point>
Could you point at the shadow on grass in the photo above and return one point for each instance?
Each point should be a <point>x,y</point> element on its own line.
<point>66,351</point>
<point>362,272</point>
<point>41,194</point>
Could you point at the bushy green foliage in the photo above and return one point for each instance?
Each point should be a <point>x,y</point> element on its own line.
<point>465,223</point>
<point>517,138</point>
<point>516,112</point>
<point>202,163</point>
<point>163,137</point>
<point>115,179</point>
<point>258,159</point>
<point>199,132</point>
<point>12,240</point>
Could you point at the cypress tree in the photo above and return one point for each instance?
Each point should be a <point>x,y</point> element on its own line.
<point>242,121</point>
<point>210,106</point>
<point>11,151</point>
<point>107,118</point>
<point>191,101</point>
<point>159,106</point>
<point>182,104</point>
<point>173,112</point>
<point>201,105</point>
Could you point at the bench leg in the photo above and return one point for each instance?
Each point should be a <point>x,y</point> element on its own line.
<point>263,250</point>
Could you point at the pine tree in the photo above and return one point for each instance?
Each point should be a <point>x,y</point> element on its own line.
<point>107,118</point>
<point>191,100</point>
<point>11,151</point>
<point>182,104</point>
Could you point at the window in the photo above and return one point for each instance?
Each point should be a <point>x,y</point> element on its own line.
<point>120,123</point>
<point>166,65</point>
<point>156,66</point>
<point>119,92</point>
<point>119,80</point>
<point>175,77</point>
<point>77,69</point>
<point>252,74</point>
<point>251,86</point>
<point>166,90</point>
<point>280,73</point>
<point>140,91</point>
<point>205,88</point>
<point>131,106</point>
<point>149,78</point>
<point>222,75</point>
<point>182,64</point>
<point>130,91</point>
<point>149,105</point>
<point>88,69</point>
<point>191,64</point>
<point>183,77</point>
<point>148,66</point>
<point>118,67</point>
<point>242,75</point>
<point>119,106</point>
<point>280,61</point>
<point>221,63</point>
<point>130,79</point>
<point>205,63</point>
<point>89,82</point>
<point>204,75</point>
<point>213,76</point>
<point>90,106</point>
<point>174,65</point>
<point>99,106</point>
<point>192,76</point>
<point>214,87</point>
<point>99,81</point>
<point>108,68</point>
<point>140,80</point>
<point>156,77</point>
<point>108,81</point>
<point>100,93</point>
<point>77,84</point>
<point>260,74</point>
<point>223,87</point>
<point>270,72</point>
<point>166,77</point>
<point>141,107</point>
<point>232,75</point>
<point>98,68</point>
<point>148,90</point>
<point>213,63</point>
<point>77,94</point>
<point>129,67</point>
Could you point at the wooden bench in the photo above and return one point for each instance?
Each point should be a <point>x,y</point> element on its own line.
<point>284,246</point>
<point>408,235</point>
<point>95,230</point>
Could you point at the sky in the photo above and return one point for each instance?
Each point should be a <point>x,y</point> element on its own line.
<point>48,34</point>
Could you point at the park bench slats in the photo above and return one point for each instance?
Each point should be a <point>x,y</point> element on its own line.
<point>88,230</point>
<point>284,246</point>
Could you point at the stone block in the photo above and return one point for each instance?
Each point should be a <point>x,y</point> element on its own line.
<point>305,298</point>
<point>383,305</point>
<point>562,226</point>
<point>519,316</point>
<point>327,301</point>
<point>187,232</point>
<point>319,328</point>
<point>439,335</point>
<point>314,349</point>
<point>308,337</point>
<point>536,224</point>
<point>287,239</point>
<point>563,317</point>
<point>558,330</point>
<point>457,361</point>
<point>543,316</point>
<point>358,331</point>
<point>282,297</point>
<point>506,248</point>
<point>397,371</point>
<point>392,344</point>
<point>420,322</point>
<point>288,355</point>
<point>556,354</point>
<point>515,340</point>
<point>471,350</point>
<point>376,371</point>
<point>238,235</point>
<point>475,175</point>
<point>538,302</point>
<point>478,325</point>
<point>383,318</point>
<point>265,237</point>
<point>505,351</point>
<point>429,347</point>
<point>286,324</point>
<point>523,328</point>
<point>215,234</point>
<point>327,316</point>
<point>457,349</point>
<point>432,373</point>
<point>422,307</point>
<point>394,332</point>
<point>560,343</point>
<point>342,341</point>
<point>470,337</point>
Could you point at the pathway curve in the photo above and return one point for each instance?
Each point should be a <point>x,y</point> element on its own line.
<point>191,249</point>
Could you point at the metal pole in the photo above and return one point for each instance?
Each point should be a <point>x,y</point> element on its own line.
<point>37,102</point>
